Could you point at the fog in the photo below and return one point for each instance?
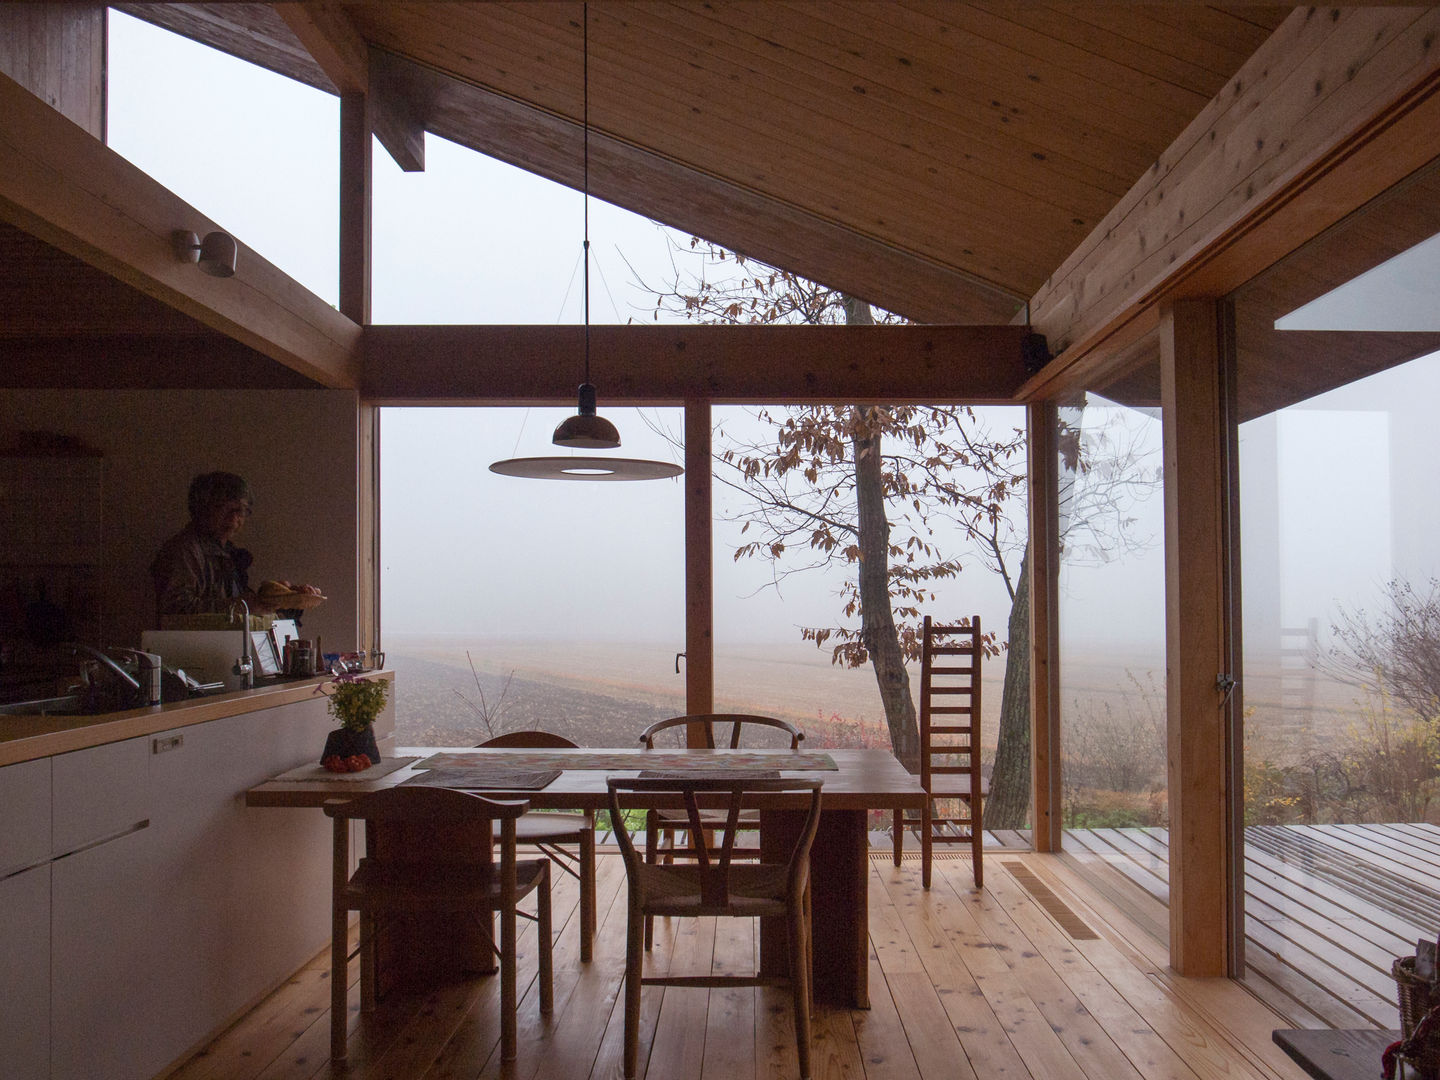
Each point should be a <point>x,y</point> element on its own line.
<point>471,240</point>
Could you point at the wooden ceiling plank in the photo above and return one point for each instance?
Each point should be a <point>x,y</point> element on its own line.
<point>1320,81</point>
<point>1127,45</point>
<point>995,44</point>
<point>899,97</point>
<point>68,189</point>
<point>1088,140</point>
<point>650,365</point>
<point>1186,46</point>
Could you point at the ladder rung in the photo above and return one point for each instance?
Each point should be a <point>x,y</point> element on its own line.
<point>951,670</point>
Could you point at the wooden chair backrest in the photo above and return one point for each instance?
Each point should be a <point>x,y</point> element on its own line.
<point>950,661</point>
<point>710,794</point>
<point>737,721</point>
<point>528,740</point>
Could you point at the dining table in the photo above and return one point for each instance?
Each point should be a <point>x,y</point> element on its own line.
<point>856,782</point>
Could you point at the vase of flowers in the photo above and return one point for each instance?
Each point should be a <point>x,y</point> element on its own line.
<point>356,702</point>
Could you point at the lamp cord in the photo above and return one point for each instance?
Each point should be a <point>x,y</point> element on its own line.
<point>585,127</point>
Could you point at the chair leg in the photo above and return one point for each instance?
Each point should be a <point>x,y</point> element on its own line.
<point>897,833</point>
<point>547,943</point>
<point>977,844</point>
<point>800,980</point>
<point>509,1032</point>
<point>925,844</point>
<point>652,840</point>
<point>634,958</point>
<point>339,982</point>
<point>369,957</point>
<point>587,894</point>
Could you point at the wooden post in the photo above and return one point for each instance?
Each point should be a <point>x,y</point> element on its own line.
<point>1196,601</point>
<point>699,568</point>
<point>355,201</point>
<point>1045,790</point>
<point>356,189</point>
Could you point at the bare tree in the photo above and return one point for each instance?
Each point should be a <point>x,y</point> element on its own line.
<point>902,497</point>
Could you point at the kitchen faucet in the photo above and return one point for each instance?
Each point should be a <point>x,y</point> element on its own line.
<point>243,667</point>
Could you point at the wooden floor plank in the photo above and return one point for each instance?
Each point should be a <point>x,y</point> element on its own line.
<point>963,983</point>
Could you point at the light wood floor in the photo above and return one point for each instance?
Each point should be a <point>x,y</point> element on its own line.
<point>963,984</point>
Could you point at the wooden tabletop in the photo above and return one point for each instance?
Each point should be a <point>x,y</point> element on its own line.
<point>1336,1054</point>
<point>862,780</point>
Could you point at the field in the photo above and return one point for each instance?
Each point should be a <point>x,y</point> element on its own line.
<point>602,694</point>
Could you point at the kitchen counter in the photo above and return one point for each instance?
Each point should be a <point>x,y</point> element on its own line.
<point>26,738</point>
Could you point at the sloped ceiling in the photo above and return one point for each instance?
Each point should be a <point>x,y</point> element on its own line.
<point>937,159</point>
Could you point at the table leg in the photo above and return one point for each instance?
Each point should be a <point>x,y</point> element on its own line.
<point>840,909</point>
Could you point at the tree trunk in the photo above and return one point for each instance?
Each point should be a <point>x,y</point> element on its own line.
<point>1008,806</point>
<point>877,620</point>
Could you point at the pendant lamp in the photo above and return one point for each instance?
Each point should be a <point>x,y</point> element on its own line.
<point>586,430</point>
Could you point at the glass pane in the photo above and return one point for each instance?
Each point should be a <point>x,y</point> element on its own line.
<point>1112,613</point>
<point>511,604</point>
<point>787,555</point>
<point>1337,382</point>
<point>257,153</point>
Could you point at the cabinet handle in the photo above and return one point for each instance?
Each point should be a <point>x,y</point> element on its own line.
<point>166,744</point>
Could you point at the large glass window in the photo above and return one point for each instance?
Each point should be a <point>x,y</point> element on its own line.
<point>1112,617</point>
<point>511,604</point>
<point>1337,382</point>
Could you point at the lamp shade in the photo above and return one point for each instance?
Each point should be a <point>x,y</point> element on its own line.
<point>585,430</point>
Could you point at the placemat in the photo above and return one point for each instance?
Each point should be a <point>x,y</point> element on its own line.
<point>307,773</point>
<point>710,774</point>
<point>484,778</point>
<point>613,761</point>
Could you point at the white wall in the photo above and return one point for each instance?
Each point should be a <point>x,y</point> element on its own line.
<point>296,448</point>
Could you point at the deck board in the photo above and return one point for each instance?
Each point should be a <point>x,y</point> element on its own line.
<point>1328,908</point>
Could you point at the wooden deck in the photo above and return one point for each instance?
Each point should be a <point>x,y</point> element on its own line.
<point>1328,908</point>
<point>1036,977</point>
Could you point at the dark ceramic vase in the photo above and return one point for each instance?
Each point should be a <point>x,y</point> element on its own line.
<point>342,742</point>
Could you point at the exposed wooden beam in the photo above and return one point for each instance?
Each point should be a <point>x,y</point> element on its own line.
<point>62,185</point>
<point>670,364</point>
<point>333,42</point>
<point>331,38</point>
<point>1195,643</point>
<point>1338,105</point>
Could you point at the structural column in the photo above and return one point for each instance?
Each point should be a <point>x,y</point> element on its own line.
<point>356,196</point>
<point>1044,563</point>
<point>699,584</point>
<point>1196,612</point>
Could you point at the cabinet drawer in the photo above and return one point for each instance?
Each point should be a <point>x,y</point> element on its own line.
<point>100,793</point>
<point>25,825</point>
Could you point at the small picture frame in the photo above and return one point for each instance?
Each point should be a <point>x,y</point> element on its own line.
<point>266,661</point>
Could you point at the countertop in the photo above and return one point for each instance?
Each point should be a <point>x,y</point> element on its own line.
<point>25,738</point>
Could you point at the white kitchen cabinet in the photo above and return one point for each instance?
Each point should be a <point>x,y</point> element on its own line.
<point>25,824</point>
<point>99,793</point>
<point>25,983</point>
<point>102,995</point>
<point>241,894</point>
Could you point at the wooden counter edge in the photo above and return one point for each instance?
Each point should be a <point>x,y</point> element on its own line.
<point>81,733</point>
